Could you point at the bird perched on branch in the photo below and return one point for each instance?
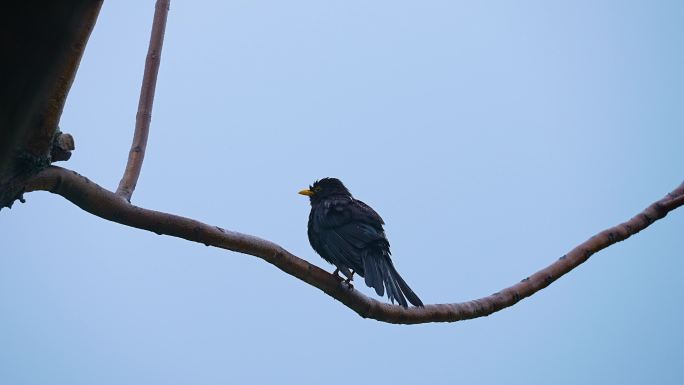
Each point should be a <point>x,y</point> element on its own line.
<point>348,234</point>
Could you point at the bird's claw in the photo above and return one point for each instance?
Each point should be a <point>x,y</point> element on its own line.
<point>349,280</point>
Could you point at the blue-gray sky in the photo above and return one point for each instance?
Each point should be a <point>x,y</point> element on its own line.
<point>492,136</point>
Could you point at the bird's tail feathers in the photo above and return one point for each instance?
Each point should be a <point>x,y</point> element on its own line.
<point>380,274</point>
<point>410,295</point>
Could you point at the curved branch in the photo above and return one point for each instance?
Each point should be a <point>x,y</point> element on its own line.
<point>144,115</point>
<point>105,204</point>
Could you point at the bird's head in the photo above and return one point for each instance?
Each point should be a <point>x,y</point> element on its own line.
<point>324,188</point>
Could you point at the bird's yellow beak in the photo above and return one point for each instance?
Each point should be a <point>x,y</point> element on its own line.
<point>306,192</point>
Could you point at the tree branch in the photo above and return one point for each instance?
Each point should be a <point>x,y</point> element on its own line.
<point>144,115</point>
<point>105,204</point>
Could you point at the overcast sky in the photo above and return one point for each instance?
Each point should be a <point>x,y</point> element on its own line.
<point>492,136</point>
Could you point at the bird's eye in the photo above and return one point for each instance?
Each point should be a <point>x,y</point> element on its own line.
<point>317,189</point>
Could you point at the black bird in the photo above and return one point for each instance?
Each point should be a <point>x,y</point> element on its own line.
<point>348,234</point>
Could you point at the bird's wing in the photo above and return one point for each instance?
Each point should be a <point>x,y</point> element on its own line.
<point>338,212</point>
<point>348,229</point>
<point>352,232</point>
<point>366,214</point>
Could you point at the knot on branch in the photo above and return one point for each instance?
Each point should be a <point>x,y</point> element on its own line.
<point>62,145</point>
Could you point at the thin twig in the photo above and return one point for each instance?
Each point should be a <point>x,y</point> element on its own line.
<point>144,115</point>
<point>105,204</point>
